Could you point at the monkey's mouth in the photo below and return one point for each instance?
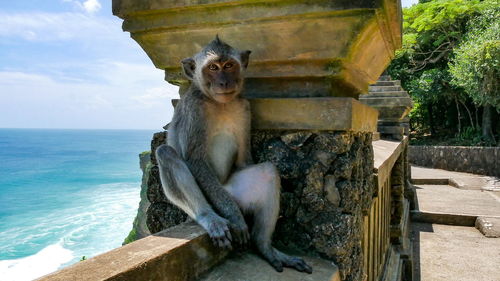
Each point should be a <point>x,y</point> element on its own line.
<point>230,93</point>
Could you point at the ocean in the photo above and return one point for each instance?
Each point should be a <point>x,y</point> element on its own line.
<point>65,194</point>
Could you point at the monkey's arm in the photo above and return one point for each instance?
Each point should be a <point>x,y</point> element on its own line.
<point>219,198</point>
<point>192,131</point>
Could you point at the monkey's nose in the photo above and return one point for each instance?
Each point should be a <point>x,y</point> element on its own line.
<point>223,84</point>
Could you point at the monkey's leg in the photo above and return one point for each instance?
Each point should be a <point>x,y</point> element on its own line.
<point>181,189</point>
<point>256,189</point>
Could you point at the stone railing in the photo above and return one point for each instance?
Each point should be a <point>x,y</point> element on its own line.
<point>179,253</point>
<point>387,251</point>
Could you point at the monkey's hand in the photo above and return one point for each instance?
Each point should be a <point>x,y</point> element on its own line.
<point>217,228</point>
<point>239,229</point>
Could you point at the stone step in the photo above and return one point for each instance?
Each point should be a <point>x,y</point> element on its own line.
<point>385,78</point>
<point>388,83</point>
<point>451,205</point>
<point>397,101</point>
<point>390,130</point>
<point>388,88</point>
<point>386,94</point>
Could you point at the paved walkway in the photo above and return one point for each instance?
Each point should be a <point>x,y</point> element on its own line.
<point>422,175</point>
<point>446,244</point>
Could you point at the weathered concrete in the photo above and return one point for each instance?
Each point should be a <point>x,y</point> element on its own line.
<point>290,56</point>
<point>177,254</point>
<point>333,114</point>
<point>450,200</point>
<point>457,253</point>
<point>248,266</point>
<point>476,160</point>
<point>489,227</point>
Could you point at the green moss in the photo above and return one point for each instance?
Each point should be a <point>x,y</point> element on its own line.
<point>132,236</point>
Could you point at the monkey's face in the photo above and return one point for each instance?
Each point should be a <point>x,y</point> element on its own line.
<point>217,70</point>
<point>221,79</point>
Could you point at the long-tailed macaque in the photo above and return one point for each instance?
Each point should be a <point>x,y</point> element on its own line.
<point>206,167</point>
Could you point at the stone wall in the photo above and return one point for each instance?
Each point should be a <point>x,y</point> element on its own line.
<point>477,160</point>
<point>327,186</point>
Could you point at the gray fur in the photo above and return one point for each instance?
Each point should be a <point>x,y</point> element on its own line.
<point>206,167</point>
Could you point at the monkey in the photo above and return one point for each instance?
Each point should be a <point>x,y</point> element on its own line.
<point>206,166</point>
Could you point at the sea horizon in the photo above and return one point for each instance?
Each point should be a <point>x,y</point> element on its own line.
<point>65,194</point>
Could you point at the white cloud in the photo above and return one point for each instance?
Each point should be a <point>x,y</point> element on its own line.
<point>42,26</point>
<point>40,101</point>
<point>157,95</point>
<point>89,6</point>
<point>92,6</point>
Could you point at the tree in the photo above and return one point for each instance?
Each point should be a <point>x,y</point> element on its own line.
<point>476,64</point>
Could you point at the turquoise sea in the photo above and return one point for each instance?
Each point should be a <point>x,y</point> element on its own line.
<point>65,194</point>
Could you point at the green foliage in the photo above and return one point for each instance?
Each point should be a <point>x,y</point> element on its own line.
<point>132,236</point>
<point>83,258</point>
<point>432,29</point>
<point>446,99</point>
<point>476,65</point>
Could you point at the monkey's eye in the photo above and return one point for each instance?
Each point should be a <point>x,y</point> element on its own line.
<point>228,65</point>
<point>213,67</point>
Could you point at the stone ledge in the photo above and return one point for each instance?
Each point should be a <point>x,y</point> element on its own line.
<point>179,253</point>
<point>250,267</point>
<point>332,114</point>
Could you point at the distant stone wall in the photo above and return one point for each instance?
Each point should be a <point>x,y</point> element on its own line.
<point>477,160</point>
<point>327,187</point>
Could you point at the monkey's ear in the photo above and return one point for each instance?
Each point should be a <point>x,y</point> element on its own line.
<point>245,55</point>
<point>188,67</point>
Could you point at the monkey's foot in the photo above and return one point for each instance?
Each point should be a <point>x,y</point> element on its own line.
<point>278,260</point>
<point>217,228</point>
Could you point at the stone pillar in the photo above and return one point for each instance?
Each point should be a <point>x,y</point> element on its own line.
<point>394,105</point>
<point>309,63</point>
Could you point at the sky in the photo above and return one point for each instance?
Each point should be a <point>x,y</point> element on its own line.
<point>68,64</point>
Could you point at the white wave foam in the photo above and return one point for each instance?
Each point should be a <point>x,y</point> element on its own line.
<point>47,260</point>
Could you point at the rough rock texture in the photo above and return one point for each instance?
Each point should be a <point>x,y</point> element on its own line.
<point>476,160</point>
<point>327,185</point>
<point>139,228</point>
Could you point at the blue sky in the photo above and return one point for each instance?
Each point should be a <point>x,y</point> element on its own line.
<point>67,64</point>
